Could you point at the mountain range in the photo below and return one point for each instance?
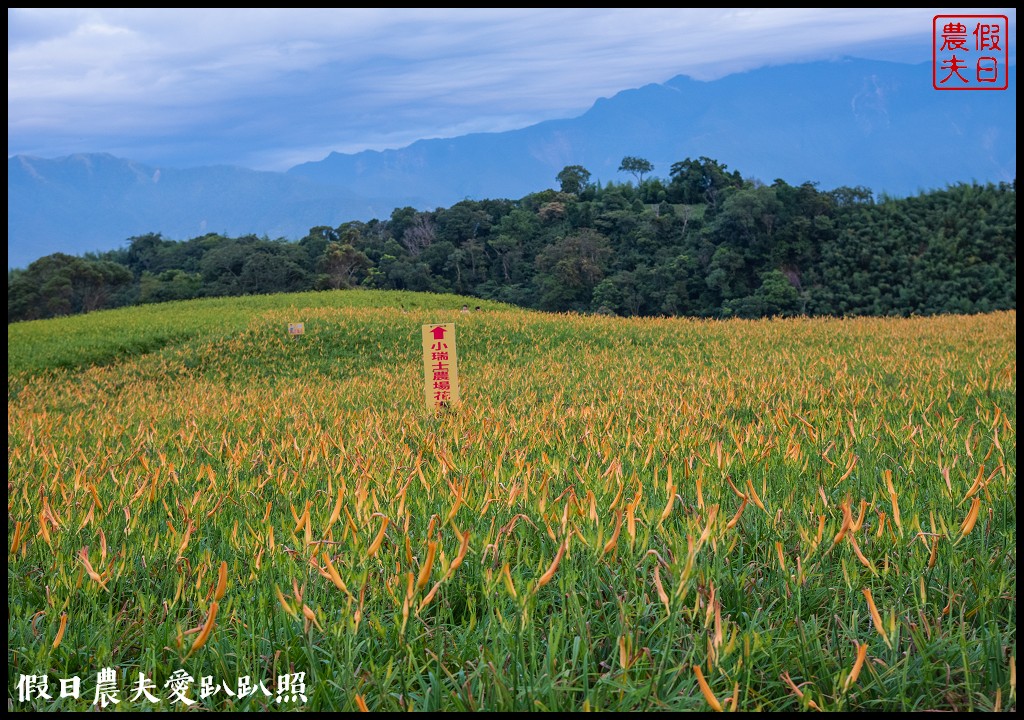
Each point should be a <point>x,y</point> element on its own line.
<point>848,122</point>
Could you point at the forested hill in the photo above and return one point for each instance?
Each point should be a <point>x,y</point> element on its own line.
<point>704,242</point>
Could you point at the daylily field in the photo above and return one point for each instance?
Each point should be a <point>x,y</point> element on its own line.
<point>642,514</point>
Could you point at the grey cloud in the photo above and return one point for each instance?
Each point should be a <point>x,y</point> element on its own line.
<point>225,85</point>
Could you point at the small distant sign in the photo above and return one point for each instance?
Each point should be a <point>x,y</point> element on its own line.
<point>295,329</point>
<point>440,366</point>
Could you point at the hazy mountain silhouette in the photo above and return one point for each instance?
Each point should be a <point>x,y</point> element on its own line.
<point>849,122</point>
<point>89,202</point>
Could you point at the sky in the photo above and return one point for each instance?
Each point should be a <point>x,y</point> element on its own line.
<point>270,88</point>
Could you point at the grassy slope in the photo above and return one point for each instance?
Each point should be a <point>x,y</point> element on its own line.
<point>205,413</point>
<point>102,337</point>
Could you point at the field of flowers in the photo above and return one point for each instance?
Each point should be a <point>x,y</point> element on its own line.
<point>660,514</point>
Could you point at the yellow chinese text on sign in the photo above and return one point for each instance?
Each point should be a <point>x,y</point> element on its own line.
<point>440,366</point>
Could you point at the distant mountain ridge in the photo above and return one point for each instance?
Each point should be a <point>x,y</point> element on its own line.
<point>848,122</point>
<point>88,202</point>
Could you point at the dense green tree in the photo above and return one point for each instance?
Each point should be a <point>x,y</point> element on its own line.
<point>145,253</point>
<point>169,285</point>
<point>775,297</point>
<point>463,221</point>
<point>570,268</point>
<point>265,271</point>
<point>61,284</point>
<point>221,267</point>
<point>315,244</point>
<point>701,181</point>
<point>636,166</point>
<point>573,179</point>
<point>342,266</point>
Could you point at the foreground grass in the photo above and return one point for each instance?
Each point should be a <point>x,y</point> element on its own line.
<point>615,505</point>
<point>104,337</point>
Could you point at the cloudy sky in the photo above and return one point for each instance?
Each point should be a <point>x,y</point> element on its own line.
<point>270,88</point>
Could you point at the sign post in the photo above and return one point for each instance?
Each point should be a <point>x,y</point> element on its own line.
<point>440,366</point>
<point>296,329</point>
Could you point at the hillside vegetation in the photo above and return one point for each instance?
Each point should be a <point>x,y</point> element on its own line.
<point>623,514</point>
<point>702,243</point>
